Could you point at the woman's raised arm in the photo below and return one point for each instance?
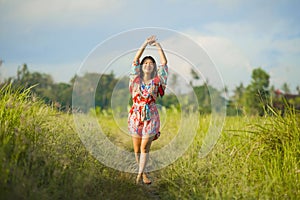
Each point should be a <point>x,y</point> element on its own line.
<point>163,59</point>
<point>150,40</point>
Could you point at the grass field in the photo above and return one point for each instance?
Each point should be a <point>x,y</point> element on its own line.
<point>42,157</point>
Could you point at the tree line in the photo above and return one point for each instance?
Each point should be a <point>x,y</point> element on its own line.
<point>253,99</point>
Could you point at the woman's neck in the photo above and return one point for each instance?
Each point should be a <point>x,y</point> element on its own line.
<point>147,77</point>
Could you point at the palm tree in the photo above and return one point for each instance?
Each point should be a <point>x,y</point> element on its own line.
<point>286,88</point>
<point>225,90</point>
<point>195,76</point>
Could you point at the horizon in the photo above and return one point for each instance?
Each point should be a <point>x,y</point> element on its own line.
<point>198,82</point>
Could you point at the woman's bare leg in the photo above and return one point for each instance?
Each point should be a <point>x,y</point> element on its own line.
<point>137,147</point>
<point>144,149</point>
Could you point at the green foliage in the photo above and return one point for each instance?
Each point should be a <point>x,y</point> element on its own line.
<point>237,98</point>
<point>257,93</point>
<point>108,92</point>
<point>59,95</point>
<point>169,100</point>
<point>234,109</point>
<point>42,156</point>
<point>286,88</point>
<point>255,158</point>
<point>204,94</point>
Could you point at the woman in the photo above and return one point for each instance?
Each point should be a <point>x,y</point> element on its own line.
<point>147,81</point>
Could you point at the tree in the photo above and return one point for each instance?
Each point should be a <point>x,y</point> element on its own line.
<point>63,95</point>
<point>238,94</point>
<point>173,81</point>
<point>59,94</point>
<point>22,73</point>
<point>257,93</point>
<point>236,102</point>
<point>195,76</point>
<point>205,94</point>
<point>285,87</point>
<point>42,83</point>
<point>92,90</point>
<point>105,89</point>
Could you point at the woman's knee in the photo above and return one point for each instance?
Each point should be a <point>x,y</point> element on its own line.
<point>145,147</point>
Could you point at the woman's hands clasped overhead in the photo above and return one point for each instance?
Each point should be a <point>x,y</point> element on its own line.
<point>152,40</point>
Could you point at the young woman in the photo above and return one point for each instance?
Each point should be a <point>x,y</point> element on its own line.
<point>147,82</point>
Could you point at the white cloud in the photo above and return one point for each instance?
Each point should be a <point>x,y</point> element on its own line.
<point>43,11</point>
<point>271,44</point>
<point>236,39</point>
<point>185,54</point>
<point>232,63</point>
<point>219,3</point>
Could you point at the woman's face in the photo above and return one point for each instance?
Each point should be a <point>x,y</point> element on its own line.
<point>148,66</point>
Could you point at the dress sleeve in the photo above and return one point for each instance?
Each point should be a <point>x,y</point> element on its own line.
<point>162,73</point>
<point>134,72</point>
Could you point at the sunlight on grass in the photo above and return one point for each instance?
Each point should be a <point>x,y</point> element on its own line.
<point>42,156</point>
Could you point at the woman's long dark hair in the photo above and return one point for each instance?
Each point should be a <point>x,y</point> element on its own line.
<point>154,73</point>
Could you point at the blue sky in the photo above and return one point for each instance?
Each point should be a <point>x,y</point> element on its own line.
<point>56,36</point>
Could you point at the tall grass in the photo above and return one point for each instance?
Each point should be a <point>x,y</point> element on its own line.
<point>255,158</point>
<point>42,157</point>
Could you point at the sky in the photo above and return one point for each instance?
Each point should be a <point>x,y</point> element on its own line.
<point>57,36</point>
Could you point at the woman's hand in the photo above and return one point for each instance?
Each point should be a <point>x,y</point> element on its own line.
<point>151,40</point>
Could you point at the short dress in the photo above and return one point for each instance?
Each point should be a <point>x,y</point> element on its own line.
<point>143,117</point>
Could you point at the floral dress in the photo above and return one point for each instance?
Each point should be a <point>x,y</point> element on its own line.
<point>143,117</point>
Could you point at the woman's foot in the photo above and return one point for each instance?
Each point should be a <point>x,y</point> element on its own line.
<point>146,180</point>
<point>138,179</point>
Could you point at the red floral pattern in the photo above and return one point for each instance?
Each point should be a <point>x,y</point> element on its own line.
<point>143,118</point>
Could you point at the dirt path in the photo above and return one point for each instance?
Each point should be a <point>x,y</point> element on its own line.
<point>152,189</point>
